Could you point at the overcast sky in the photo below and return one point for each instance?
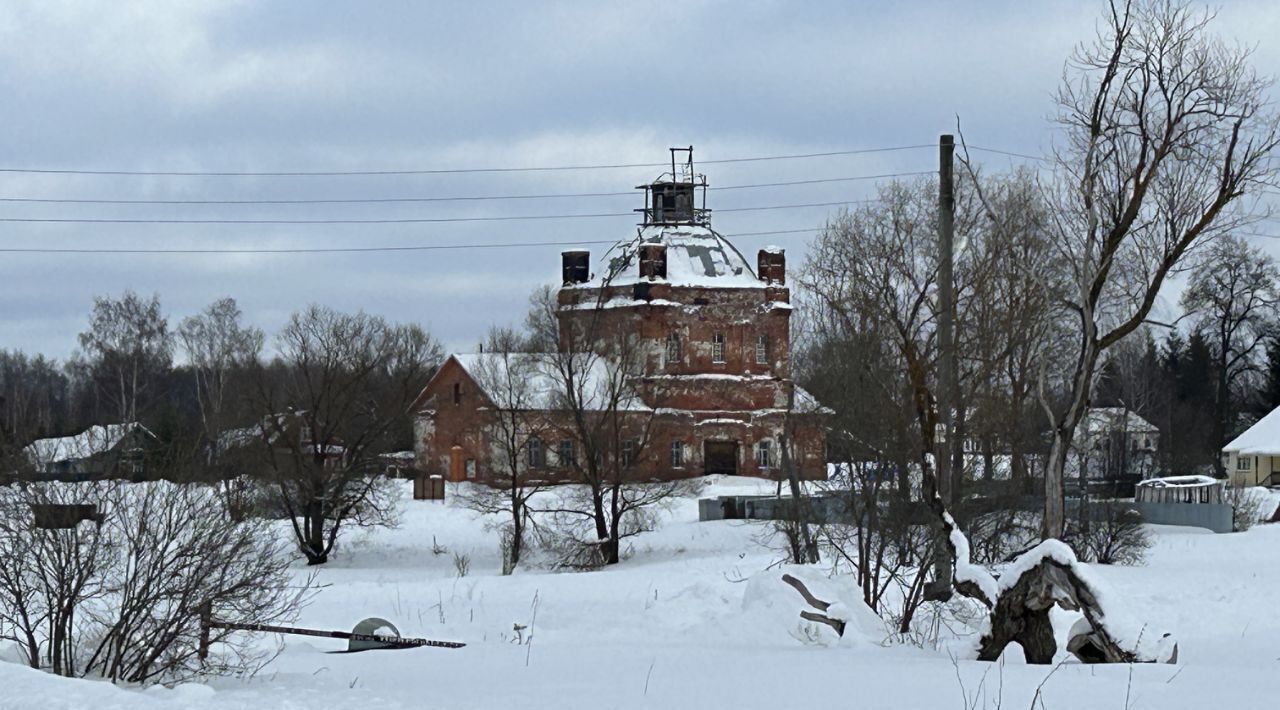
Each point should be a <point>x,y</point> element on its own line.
<point>329,86</point>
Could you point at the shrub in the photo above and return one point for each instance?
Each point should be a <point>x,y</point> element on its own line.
<point>120,598</point>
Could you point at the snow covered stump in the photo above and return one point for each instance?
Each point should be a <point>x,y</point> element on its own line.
<point>1020,599</point>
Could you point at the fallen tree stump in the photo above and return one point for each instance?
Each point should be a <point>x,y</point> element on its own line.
<point>816,603</point>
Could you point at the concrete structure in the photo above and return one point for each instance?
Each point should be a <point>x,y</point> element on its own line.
<point>1253,458</point>
<point>701,339</point>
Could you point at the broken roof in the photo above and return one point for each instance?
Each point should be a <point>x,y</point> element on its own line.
<point>95,440</point>
<point>696,256</point>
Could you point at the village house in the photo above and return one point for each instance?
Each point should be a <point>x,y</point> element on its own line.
<point>285,435</point>
<point>1115,443</point>
<point>707,350</point>
<point>1253,458</point>
<point>101,451</point>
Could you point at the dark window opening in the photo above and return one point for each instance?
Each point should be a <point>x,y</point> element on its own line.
<point>537,456</point>
<point>674,349</point>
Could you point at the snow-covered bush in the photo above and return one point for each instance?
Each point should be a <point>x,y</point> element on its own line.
<point>120,597</point>
<point>1246,506</point>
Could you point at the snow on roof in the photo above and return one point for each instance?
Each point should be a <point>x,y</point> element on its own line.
<point>696,256</point>
<point>95,440</point>
<point>1180,482</point>
<point>1108,419</point>
<point>527,381</point>
<point>806,403</point>
<point>1262,438</point>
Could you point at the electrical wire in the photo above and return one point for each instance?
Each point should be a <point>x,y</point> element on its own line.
<point>1011,153</point>
<point>462,198</point>
<point>343,250</point>
<point>445,171</point>
<point>390,220</point>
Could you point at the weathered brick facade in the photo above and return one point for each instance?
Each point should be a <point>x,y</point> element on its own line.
<point>713,365</point>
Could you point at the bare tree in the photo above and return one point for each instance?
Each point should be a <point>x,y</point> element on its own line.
<point>518,386</point>
<point>1232,295</point>
<point>595,371</point>
<point>219,348</point>
<point>332,402</point>
<point>33,395</point>
<point>131,346</point>
<point>118,596</point>
<point>1165,129</point>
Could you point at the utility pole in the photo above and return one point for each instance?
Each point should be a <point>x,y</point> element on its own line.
<point>946,399</point>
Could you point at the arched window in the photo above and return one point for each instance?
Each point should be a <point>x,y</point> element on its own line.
<point>457,393</point>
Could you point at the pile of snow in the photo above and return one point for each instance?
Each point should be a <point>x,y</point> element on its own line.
<point>776,605</point>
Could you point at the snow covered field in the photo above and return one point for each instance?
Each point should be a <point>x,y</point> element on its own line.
<point>668,628</point>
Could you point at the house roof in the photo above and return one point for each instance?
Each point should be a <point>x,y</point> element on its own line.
<point>97,439</point>
<point>270,433</point>
<point>696,256</point>
<point>1108,419</point>
<point>533,381</point>
<point>1263,438</point>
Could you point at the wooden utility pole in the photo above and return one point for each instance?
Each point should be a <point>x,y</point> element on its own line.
<point>946,399</point>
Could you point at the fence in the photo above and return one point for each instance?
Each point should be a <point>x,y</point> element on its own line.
<point>1214,516</point>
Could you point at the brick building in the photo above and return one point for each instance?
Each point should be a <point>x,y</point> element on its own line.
<point>679,335</point>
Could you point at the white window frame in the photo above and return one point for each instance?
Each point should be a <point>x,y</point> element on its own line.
<point>764,454</point>
<point>762,350</point>
<point>717,348</point>
<point>677,454</point>
<point>1244,463</point>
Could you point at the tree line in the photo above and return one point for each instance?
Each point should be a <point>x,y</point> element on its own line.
<point>309,419</point>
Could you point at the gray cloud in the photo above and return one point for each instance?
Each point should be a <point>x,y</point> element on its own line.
<point>333,86</point>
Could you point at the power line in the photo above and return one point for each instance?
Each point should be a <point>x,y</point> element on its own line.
<point>444,171</point>
<point>461,198</point>
<point>1011,154</point>
<point>334,250</point>
<point>390,220</point>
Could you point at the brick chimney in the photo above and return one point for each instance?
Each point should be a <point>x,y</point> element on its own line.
<point>575,266</point>
<point>772,265</point>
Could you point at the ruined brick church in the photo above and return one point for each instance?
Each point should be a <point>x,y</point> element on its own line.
<point>711,363</point>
